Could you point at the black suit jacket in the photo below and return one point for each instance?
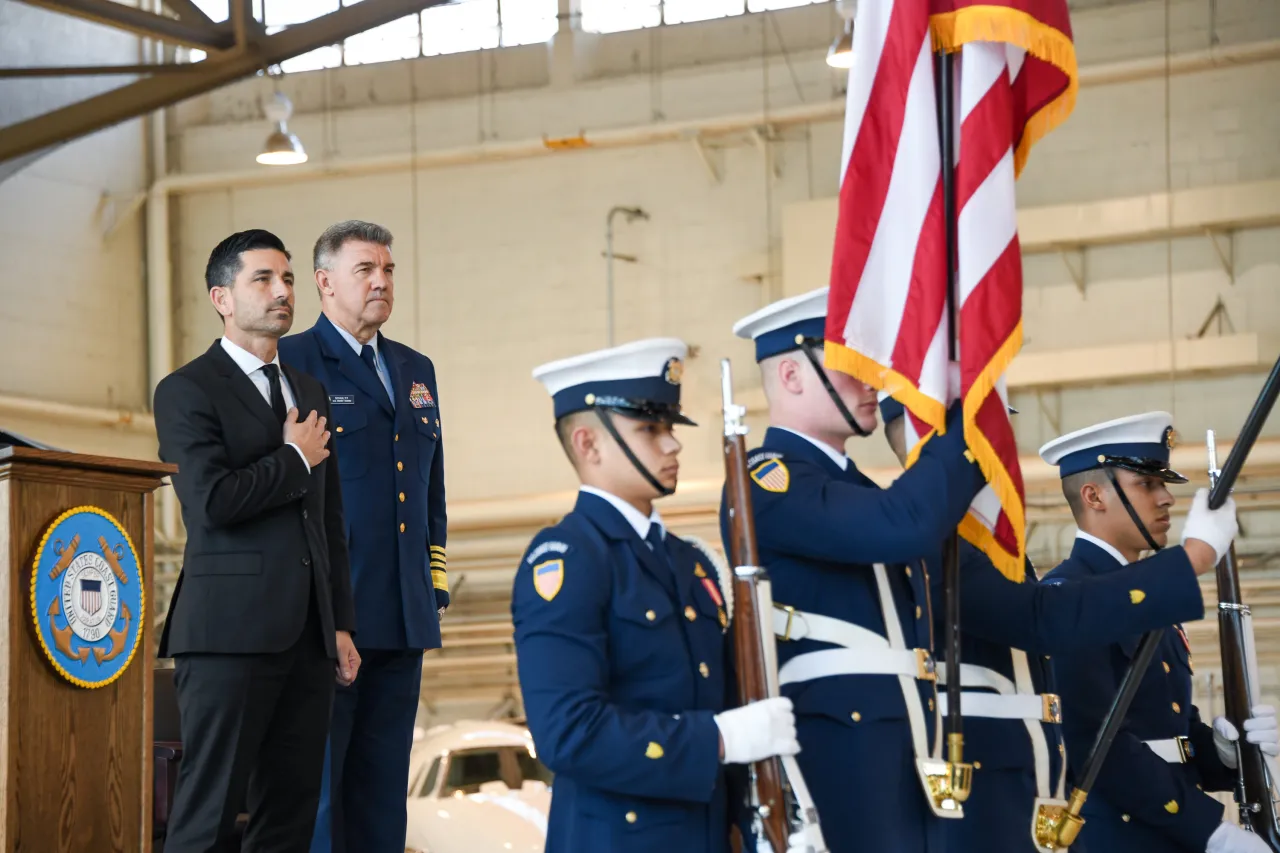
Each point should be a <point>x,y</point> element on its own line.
<point>261,531</point>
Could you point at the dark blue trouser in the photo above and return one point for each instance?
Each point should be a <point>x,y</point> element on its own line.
<point>864,785</point>
<point>997,815</point>
<point>366,766</point>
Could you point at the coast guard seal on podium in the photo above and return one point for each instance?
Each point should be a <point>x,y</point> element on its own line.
<point>87,600</point>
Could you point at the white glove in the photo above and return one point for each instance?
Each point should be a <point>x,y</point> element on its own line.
<point>1259,729</point>
<point>757,731</point>
<point>1214,527</point>
<point>1229,838</point>
<point>797,843</point>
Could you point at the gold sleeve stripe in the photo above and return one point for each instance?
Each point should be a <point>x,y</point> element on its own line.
<point>438,564</point>
<point>437,548</point>
<point>439,580</point>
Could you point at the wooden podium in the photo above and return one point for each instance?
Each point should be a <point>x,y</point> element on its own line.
<point>75,761</point>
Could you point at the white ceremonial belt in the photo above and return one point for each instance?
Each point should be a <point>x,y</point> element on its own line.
<point>1044,707</point>
<point>1175,750</point>
<point>791,624</point>
<point>913,663</point>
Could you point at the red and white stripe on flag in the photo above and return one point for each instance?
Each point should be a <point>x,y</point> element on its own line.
<point>887,309</point>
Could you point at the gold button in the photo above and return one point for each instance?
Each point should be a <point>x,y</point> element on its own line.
<point>402,497</point>
<point>918,611</point>
<point>399,466</point>
<point>650,615</point>
<point>631,817</point>
<point>705,670</point>
<point>1177,709</point>
<point>908,571</point>
<point>689,614</point>
<point>1125,818</point>
<point>339,429</point>
<point>402,527</point>
<point>1166,666</point>
<point>977,765</point>
<point>857,718</point>
<point>930,704</point>
<point>397,436</point>
<point>1062,749</point>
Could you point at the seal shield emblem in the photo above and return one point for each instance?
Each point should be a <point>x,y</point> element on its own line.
<point>87,600</point>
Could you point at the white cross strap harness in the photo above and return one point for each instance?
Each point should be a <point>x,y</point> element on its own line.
<point>1016,700</point>
<point>864,652</point>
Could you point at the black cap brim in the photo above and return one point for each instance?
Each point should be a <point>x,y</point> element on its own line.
<point>1146,467</point>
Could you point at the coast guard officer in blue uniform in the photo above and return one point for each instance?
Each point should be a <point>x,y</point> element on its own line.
<point>620,629</point>
<point>853,621</point>
<point>1011,715</point>
<point>1150,793</point>
<point>386,421</point>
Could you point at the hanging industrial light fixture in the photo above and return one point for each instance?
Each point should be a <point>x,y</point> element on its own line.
<point>840,54</point>
<point>282,148</point>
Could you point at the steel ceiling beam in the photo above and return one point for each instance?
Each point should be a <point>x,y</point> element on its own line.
<point>189,12</point>
<point>208,37</point>
<point>135,99</point>
<point>108,70</point>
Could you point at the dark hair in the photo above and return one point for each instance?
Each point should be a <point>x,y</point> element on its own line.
<point>338,235</point>
<point>224,261</point>
<point>1073,483</point>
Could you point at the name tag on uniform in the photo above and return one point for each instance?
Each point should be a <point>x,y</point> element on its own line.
<point>342,400</point>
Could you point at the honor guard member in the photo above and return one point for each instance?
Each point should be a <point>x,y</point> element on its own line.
<point>851,594</point>
<point>386,422</point>
<point>1150,793</point>
<point>620,629</point>
<point>1012,718</point>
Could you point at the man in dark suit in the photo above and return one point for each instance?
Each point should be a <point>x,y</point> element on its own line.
<point>263,606</point>
<point>386,423</point>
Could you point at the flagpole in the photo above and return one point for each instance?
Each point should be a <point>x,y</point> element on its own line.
<point>961,773</point>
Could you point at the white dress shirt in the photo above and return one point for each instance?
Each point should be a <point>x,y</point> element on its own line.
<point>836,456</point>
<point>378,358</point>
<point>634,517</point>
<point>252,367</point>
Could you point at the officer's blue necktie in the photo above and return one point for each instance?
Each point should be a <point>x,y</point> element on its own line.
<point>654,538</point>
<point>370,359</point>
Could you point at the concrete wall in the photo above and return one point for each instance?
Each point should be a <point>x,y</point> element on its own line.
<point>72,307</point>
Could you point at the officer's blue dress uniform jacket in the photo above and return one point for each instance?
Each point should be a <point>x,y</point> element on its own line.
<point>624,662</point>
<point>819,530</point>
<point>1041,619</point>
<point>1139,802</point>
<point>391,459</point>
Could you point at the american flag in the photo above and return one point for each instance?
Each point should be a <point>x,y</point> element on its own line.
<point>887,310</point>
<point>90,596</point>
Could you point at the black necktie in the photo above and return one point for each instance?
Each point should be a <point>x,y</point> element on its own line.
<point>277,393</point>
<point>370,359</point>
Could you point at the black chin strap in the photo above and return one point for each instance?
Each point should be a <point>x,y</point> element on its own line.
<point>1124,500</point>
<point>809,352</point>
<point>607,420</point>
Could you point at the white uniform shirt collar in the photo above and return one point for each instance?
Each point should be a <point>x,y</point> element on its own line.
<point>247,361</point>
<point>355,344</point>
<point>634,517</point>
<point>836,456</point>
<point>1106,546</point>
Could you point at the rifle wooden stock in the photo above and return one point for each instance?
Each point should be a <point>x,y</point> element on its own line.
<point>748,640</point>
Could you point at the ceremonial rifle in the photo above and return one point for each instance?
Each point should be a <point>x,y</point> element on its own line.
<point>774,813</point>
<point>1253,792</point>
